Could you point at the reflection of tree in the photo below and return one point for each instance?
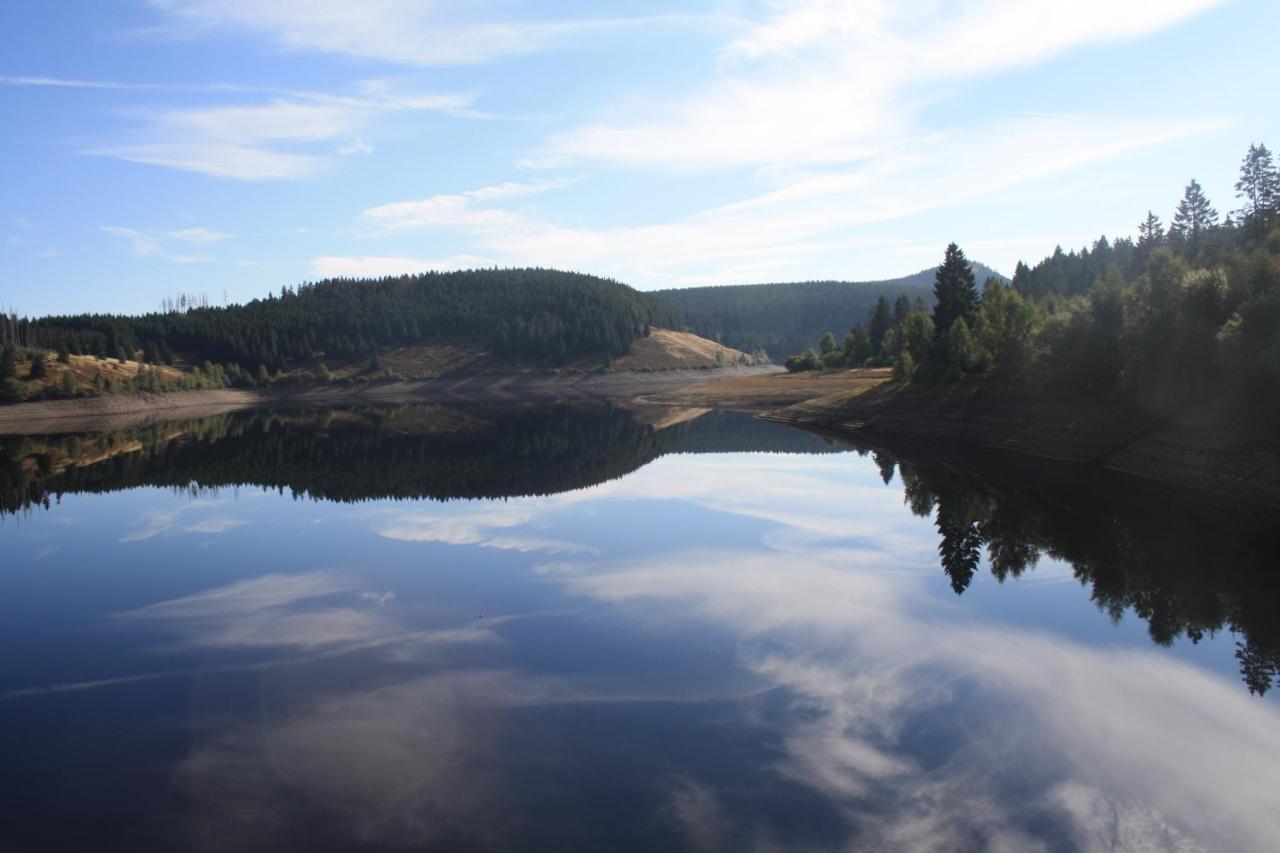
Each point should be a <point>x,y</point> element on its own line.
<point>885,463</point>
<point>1010,553</point>
<point>961,545</point>
<point>918,496</point>
<point>1187,571</point>
<point>392,452</point>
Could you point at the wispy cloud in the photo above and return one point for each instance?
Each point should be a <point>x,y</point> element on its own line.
<point>147,244</point>
<point>471,209</point>
<point>356,146</point>
<point>406,32</point>
<point>813,216</point>
<point>291,136</point>
<point>199,236</point>
<point>826,81</point>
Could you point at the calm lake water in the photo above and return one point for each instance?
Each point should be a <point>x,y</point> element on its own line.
<point>576,628</point>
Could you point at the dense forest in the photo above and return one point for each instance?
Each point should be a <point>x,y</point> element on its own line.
<point>786,317</point>
<point>1165,320</point>
<point>530,314</point>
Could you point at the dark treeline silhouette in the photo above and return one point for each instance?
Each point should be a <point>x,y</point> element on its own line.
<point>1187,570</point>
<point>538,314</point>
<point>1159,322</point>
<point>406,452</point>
<point>787,317</point>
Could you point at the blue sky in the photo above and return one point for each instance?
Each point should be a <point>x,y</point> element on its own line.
<point>235,146</point>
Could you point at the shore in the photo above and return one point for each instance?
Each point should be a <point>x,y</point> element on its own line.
<point>114,411</point>
<point>1201,451</point>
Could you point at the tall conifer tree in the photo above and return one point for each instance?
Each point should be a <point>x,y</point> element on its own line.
<point>881,321</point>
<point>955,292</point>
<point>1259,186</point>
<point>1194,215</point>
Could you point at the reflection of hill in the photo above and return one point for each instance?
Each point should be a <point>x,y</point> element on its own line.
<point>1187,570</point>
<point>403,452</point>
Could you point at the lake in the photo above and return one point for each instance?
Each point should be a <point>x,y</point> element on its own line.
<point>587,627</point>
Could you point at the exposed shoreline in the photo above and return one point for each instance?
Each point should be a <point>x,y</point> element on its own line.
<point>1202,452</point>
<point>113,411</point>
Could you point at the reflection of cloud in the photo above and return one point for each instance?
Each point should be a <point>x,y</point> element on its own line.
<point>697,812</point>
<point>808,499</point>
<point>476,527</point>
<point>163,522</point>
<point>413,764</point>
<point>214,525</point>
<point>400,765</point>
<point>952,736</point>
<point>301,611</point>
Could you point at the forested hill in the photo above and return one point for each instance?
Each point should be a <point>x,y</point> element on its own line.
<point>535,314</point>
<point>788,317</point>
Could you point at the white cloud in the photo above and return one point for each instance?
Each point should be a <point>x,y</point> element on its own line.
<point>358,146</point>
<point>290,137</point>
<point>806,226</point>
<point>199,236</point>
<point>152,244</point>
<point>459,210</point>
<point>826,81</point>
<point>409,32</point>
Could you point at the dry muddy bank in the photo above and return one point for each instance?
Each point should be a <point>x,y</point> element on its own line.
<point>120,410</point>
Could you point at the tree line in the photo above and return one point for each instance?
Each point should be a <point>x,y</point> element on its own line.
<point>1174,314</point>
<point>538,314</point>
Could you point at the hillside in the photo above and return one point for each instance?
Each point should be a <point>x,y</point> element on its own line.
<point>534,315</point>
<point>665,349</point>
<point>672,354</point>
<point>789,317</point>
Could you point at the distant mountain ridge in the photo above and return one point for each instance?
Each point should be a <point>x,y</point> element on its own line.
<point>789,317</point>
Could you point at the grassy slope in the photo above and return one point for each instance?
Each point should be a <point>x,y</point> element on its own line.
<point>85,367</point>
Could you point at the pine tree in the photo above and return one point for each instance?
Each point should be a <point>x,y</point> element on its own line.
<point>901,308</point>
<point>880,321</point>
<point>1194,215</point>
<point>1259,186</point>
<point>1150,232</point>
<point>955,292</point>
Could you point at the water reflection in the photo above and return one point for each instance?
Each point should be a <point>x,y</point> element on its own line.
<point>649,646</point>
<point>407,452</point>
<point>1188,570</point>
